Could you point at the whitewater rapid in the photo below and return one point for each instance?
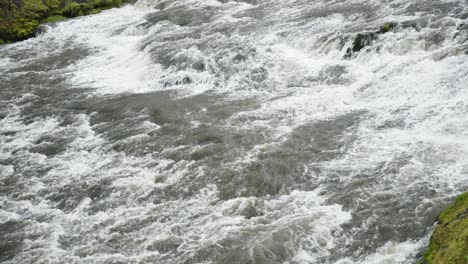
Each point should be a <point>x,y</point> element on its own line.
<point>188,131</point>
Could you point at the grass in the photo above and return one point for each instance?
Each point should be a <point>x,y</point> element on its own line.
<point>449,243</point>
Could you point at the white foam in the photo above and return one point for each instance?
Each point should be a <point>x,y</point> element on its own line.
<point>115,64</point>
<point>391,253</point>
<point>413,100</point>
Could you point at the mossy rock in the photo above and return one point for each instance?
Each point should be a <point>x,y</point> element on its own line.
<point>449,243</point>
<point>387,27</point>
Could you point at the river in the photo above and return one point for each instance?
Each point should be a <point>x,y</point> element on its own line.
<point>184,131</point>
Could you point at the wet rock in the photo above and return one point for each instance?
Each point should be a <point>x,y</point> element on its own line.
<point>386,27</point>
<point>39,30</point>
<point>363,40</point>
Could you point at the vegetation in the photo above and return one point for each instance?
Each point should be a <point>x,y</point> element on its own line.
<point>19,19</point>
<point>53,19</point>
<point>449,243</point>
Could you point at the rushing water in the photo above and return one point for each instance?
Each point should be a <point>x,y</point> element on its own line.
<point>186,131</point>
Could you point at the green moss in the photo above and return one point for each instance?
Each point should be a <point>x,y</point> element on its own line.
<point>449,243</point>
<point>54,18</point>
<point>2,42</point>
<point>19,21</point>
<point>386,27</point>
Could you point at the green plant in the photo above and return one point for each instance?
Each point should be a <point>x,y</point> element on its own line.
<point>71,10</point>
<point>449,243</point>
<point>52,19</point>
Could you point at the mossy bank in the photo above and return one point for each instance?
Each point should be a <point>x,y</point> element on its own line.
<point>449,243</point>
<point>19,19</point>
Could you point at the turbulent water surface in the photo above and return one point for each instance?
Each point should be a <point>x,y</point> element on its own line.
<point>184,131</point>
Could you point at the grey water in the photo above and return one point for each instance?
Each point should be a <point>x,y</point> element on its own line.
<point>185,131</point>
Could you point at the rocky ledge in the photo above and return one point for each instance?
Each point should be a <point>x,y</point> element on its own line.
<point>20,19</point>
<point>449,243</point>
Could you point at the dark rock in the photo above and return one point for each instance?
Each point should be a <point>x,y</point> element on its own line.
<point>363,40</point>
<point>39,30</point>
<point>386,27</point>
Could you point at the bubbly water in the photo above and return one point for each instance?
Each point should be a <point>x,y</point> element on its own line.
<point>190,131</point>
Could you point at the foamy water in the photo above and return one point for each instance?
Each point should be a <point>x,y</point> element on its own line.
<point>233,132</point>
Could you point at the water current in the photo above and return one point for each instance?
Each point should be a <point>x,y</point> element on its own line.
<point>189,131</point>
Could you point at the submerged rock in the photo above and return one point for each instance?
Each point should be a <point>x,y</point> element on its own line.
<point>19,19</point>
<point>183,81</point>
<point>449,243</point>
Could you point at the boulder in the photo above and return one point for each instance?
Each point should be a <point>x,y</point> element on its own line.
<point>365,39</point>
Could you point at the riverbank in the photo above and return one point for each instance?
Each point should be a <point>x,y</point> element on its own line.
<point>449,243</point>
<point>20,19</point>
